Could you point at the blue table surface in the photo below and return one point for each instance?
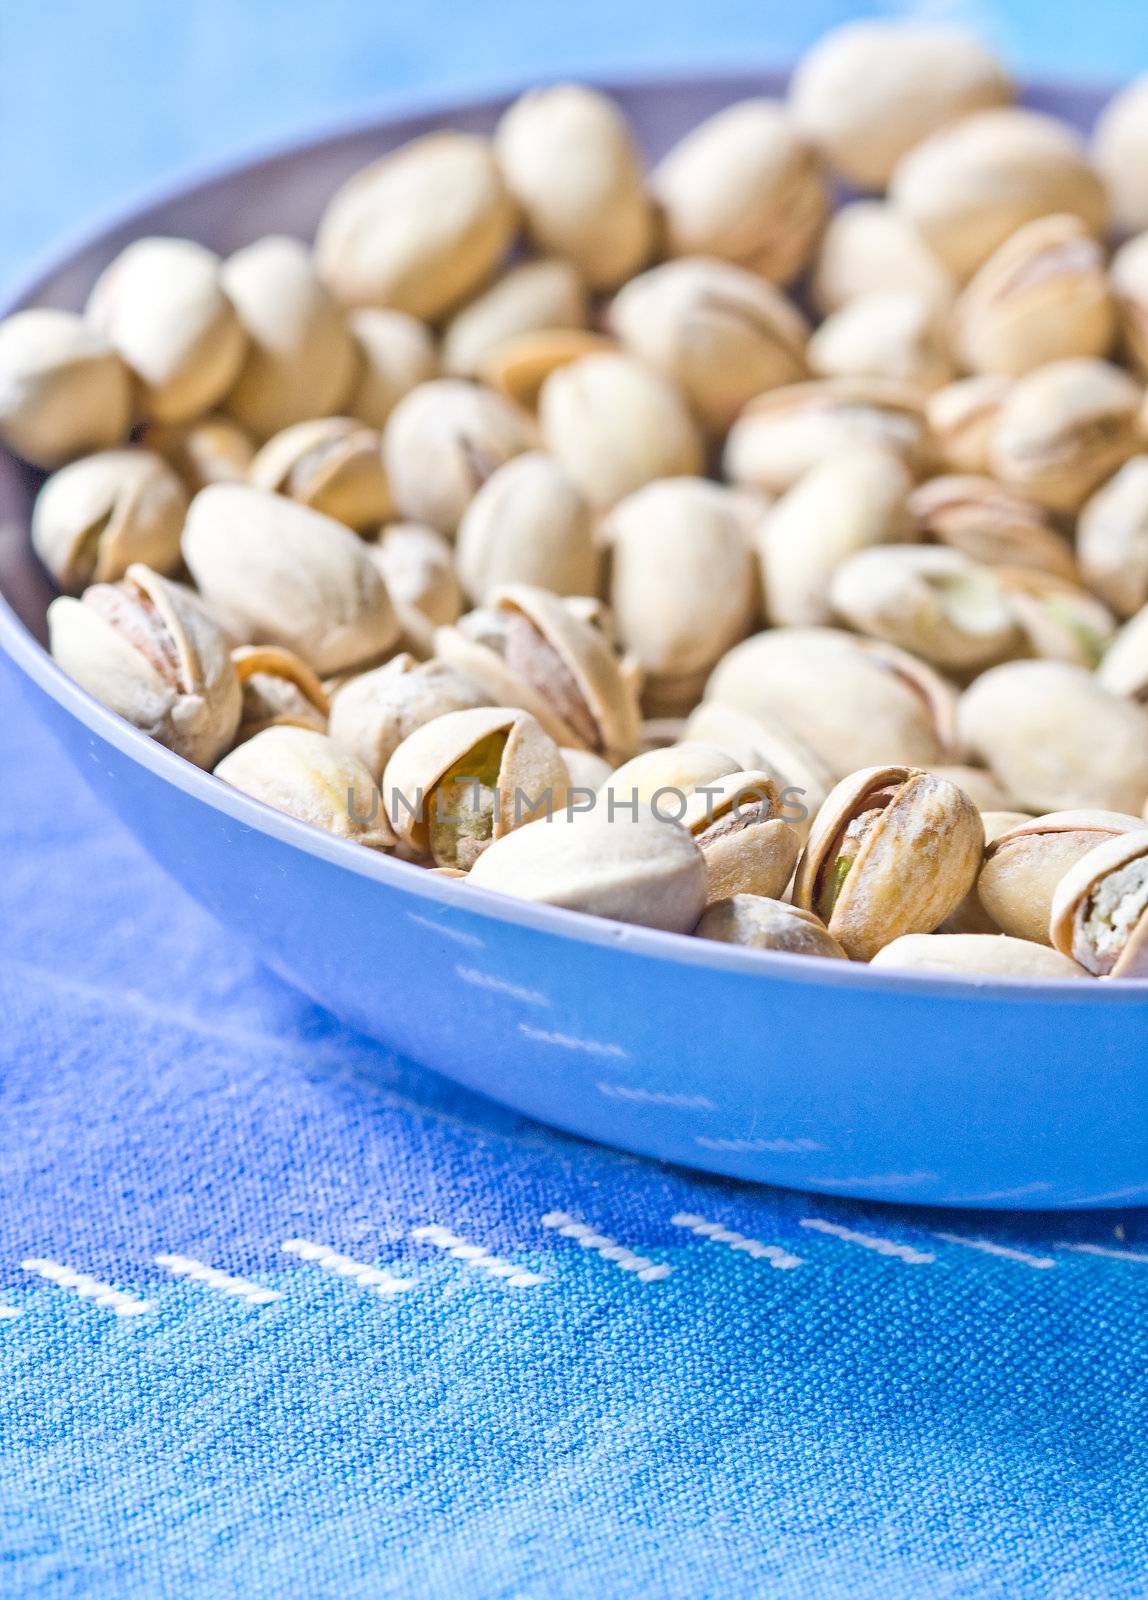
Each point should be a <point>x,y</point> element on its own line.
<point>279,1312</point>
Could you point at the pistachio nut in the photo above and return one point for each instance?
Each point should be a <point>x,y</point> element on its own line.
<point>1058,620</point>
<point>763,743</point>
<point>1120,153</point>
<point>748,846</point>
<point>976,956</point>
<point>334,465</point>
<point>297,578</point>
<point>394,353</point>
<point>758,923</point>
<point>1024,864</point>
<point>1064,429</point>
<point>747,186</point>
<point>855,702</point>
<point>846,503</point>
<point>1124,669</point>
<point>636,870</point>
<point>417,565</point>
<point>520,365</point>
<point>892,851</point>
<point>968,186</point>
<point>1099,912</point>
<point>614,424</point>
<point>868,247</point>
<point>442,442</point>
<point>929,600</point>
<point>279,690</point>
<point>308,776</point>
<point>868,91</point>
<point>961,419</point>
<point>528,648</point>
<point>1056,738</point>
<point>64,391</point>
<point>782,434</point>
<point>162,304</point>
<point>890,333</point>
<point>529,298</point>
<point>458,783</point>
<point>211,449</point>
<point>1112,539</point>
<point>1042,296</point>
<point>418,230</point>
<point>682,583</point>
<point>982,789</point>
<point>144,649</point>
<point>373,713</point>
<point>585,770</point>
<point>569,159</point>
<point>95,517</point>
<point>720,333</point>
<point>301,361</point>
<point>527,524</point>
<point>990,524</point>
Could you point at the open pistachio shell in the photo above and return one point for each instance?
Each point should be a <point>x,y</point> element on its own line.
<point>211,449</point>
<point>373,713</point>
<point>519,367</point>
<point>762,743</point>
<point>961,419</point>
<point>990,524</point>
<point>279,690</point>
<point>307,775</point>
<point>1059,620</point>
<point>1099,912</point>
<point>758,923</point>
<point>98,515</point>
<point>334,465</point>
<point>749,848</point>
<point>1024,864</point>
<point>975,956</point>
<point>64,391</point>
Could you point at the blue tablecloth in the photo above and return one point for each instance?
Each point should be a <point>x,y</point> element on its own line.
<point>280,1313</point>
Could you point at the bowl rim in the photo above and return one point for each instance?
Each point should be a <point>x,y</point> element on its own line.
<point>33,659</point>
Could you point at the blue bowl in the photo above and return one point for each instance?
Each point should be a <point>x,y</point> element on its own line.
<point>788,1070</point>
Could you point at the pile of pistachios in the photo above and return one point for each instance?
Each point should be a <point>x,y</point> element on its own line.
<point>753,544</point>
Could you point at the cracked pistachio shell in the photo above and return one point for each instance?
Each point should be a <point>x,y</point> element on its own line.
<point>892,851</point>
<point>719,332</point>
<point>1112,539</point>
<point>93,518</point>
<point>1024,864</point>
<point>968,186</point>
<point>530,298</point>
<point>308,776</point>
<point>1059,621</point>
<point>929,600</point>
<point>279,690</point>
<point>334,465</point>
<point>683,588</point>
<point>209,450</point>
<point>297,578</point>
<point>748,846</point>
<point>64,391</point>
<point>868,247</point>
<point>417,565</point>
<point>747,186</point>
<point>990,524</point>
<point>442,442</point>
<point>762,743</point>
<point>569,159</point>
<point>1129,274</point>
<point>301,361</point>
<point>846,503</point>
<point>394,353</point>
<point>528,524</point>
<point>468,778</point>
<point>614,424</point>
<point>1120,153</point>
<point>855,702</point>
<point>520,366</point>
<point>162,304</point>
<point>781,435</point>
<point>420,229</point>
<point>1064,429</point>
<point>641,871</point>
<point>891,333</point>
<point>869,91</point>
<point>758,923</point>
<point>975,956</point>
<point>1041,296</point>
<point>373,713</point>
<point>146,649</point>
<point>1124,669</point>
<point>961,418</point>
<point>1099,912</point>
<point>1056,738</point>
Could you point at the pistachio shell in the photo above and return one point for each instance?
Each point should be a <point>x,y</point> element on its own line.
<point>1124,669</point>
<point>532,297</point>
<point>1120,153</point>
<point>1059,620</point>
<point>373,713</point>
<point>417,566</point>
<point>209,450</point>
<point>279,690</point>
<point>1112,539</point>
<point>990,524</point>
<point>749,848</point>
<point>961,419</point>
<point>890,333</point>
<point>334,465</point>
<point>95,517</point>
<point>308,776</point>
<point>1100,909</point>
<point>395,352</point>
<point>758,923</point>
<point>676,769</point>
<point>868,247</point>
<point>443,441</point>
<point>976,955</point>
<point>520,366</point>
<point>528,524</point>
<point>64,391</point>
<point>803,780</point>
<point>1129,277</point>
<point>1024,865</point>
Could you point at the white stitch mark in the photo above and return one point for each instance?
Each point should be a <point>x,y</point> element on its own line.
<point>889,1180</point>
<point>991,1249</point>
<point>1106,1251</point>
<point>656,1097</point>
<point>253,1294</point>
<point>567,1041</point>
<point>569,1227</point>
<point>459,937</point>
<point>10,1313</point>
<point>489,980</point>
<point>754,1248</point>
<point>870,1241</point>
<point>104,1295</point>
<point>476,1257</point>
<point>780,1147</point>
<point>361,1272</point>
